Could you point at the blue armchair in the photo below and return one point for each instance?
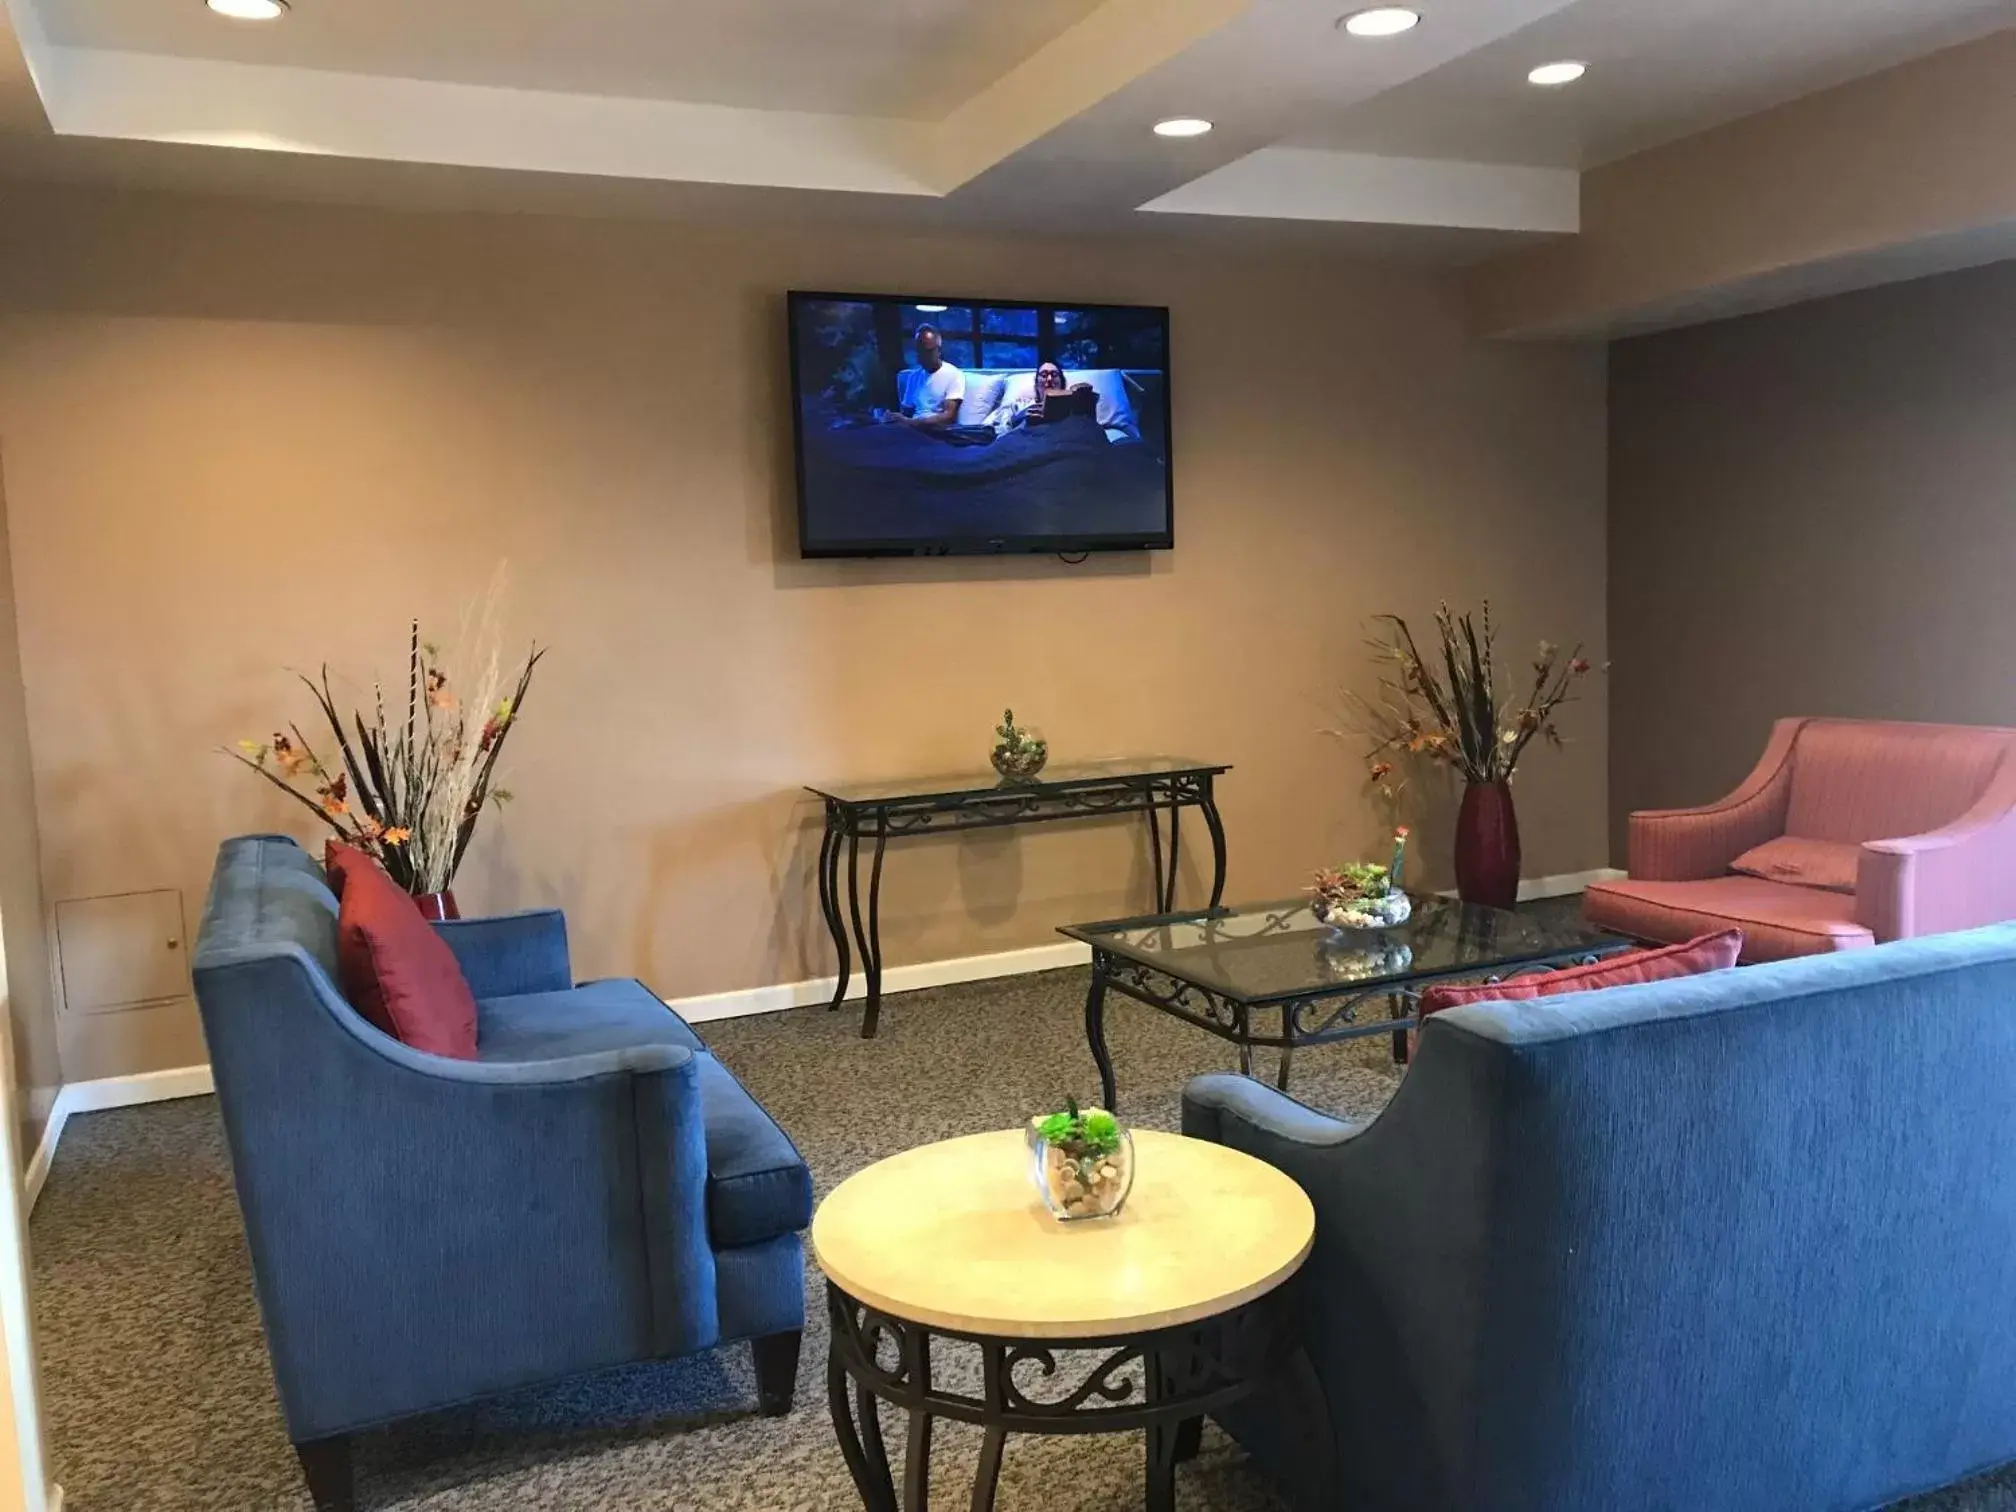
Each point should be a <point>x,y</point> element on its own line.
<point>1737,1242</point>
<point>594,1189</point>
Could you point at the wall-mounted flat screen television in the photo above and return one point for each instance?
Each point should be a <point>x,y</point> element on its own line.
<point>935,426</point>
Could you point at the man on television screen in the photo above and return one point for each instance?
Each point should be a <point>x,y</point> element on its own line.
<point>931,391</point>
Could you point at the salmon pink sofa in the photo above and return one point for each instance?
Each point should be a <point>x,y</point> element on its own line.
<point>1849,832</point>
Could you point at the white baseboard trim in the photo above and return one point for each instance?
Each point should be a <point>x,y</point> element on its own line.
<point>1000,963</point>
<point>108,1092</point>
<point>1567,884</point>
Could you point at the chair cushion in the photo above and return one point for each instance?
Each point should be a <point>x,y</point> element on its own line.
<point>1778,920</point>
<point>1803,863</point>
<point>1708,952</point>
<point>611,1015</point>
<point>396,972</point>
<point>758,1185</point>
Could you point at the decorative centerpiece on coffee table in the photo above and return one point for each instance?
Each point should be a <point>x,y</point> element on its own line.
<point>1365,894</point>
<point>1019,754</point>
<point>1083,1162</point>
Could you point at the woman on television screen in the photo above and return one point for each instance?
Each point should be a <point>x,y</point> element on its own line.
<point>1050,400</point>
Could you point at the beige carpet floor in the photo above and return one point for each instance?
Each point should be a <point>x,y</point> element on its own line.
<point>160,1398</point>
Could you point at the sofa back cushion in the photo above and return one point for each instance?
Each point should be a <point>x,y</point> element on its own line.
<point>267,892</point>
<point>395,970</point>
<point>1813,1154</point>
<point>1858,780</point>
<point>1708,952</point>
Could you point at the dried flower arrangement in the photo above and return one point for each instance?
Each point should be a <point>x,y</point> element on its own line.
<point>408,791</point>
<point>1454,710</point>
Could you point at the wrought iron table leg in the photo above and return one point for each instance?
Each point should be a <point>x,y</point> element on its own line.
<point>877,1495</point>
<point>1162,1440</point>
<point>1281,1072</point>
<point>1095,1036</point>
<point>989,1475</point>
<point>854,897</point>
<point>1189,1439</point>
<point>1155,852</point>
<point>1245,1058</point>
<point>1216,824</point>
<point>1396,1008</point>
<point>829,905</point>
<point>917,1463</point>
<point>871,949</point>
<point>1168,899</point>
<point>869,1411</point>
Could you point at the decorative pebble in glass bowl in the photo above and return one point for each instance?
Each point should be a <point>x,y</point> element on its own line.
<point>1082,1161</point>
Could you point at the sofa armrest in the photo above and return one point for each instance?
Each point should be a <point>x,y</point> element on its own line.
<point>1693,844</point>
<point>1960,876</point>
<point>1248,1115</point>
<point>508,954</point>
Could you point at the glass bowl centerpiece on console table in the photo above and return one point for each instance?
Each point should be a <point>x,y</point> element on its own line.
<point>408,789</point>
<point>1018,754</point>
<point>1454,709</point>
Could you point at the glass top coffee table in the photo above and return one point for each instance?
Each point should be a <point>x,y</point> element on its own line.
<point>1270,976</point>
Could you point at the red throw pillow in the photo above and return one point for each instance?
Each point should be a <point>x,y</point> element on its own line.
<point>1708,952</point>
<point>337,859</point>
<point>395,970</point>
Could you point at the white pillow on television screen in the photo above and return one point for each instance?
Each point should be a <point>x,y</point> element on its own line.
<point>983,397</point>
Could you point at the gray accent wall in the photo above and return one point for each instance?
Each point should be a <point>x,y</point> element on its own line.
<point>1812,511</point>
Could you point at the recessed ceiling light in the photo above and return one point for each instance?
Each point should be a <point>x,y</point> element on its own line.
<point>1384,21</point>
<point>931,309</point>
<point>1549,75</point>
<point>249,10</point>
<point>1182,126</point>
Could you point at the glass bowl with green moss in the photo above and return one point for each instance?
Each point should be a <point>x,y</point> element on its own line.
<point>1082,1161</point>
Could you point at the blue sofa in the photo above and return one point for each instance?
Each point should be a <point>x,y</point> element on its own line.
<point>594,1189</point>
<point>1744,1242</point>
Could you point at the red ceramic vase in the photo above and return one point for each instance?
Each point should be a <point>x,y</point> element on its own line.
<point>1487,846</point>
<point>441,905</point>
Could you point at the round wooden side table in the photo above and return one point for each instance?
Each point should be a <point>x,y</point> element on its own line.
<point>1149,1319</point>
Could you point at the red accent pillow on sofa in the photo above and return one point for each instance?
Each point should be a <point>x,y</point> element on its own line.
<point>1708,952</point>
<point>337,859</point>
<point>395,970</point>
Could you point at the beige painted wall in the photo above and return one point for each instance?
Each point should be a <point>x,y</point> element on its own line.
<point>1772,207</point>
<point>27,990</point>
<point>245,438</point>
<point>1812,512</point>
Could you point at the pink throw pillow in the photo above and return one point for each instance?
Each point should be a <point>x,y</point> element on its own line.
<point>1708,952</point>
<point>394,969</point>
<point>1826,864</point>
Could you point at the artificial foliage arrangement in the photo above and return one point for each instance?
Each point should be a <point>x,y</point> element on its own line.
<point>1453,708</point>
<point>1018,753</point>
<point>1364,894</point>
<point>1084,1161</point>
<point>407,787</point>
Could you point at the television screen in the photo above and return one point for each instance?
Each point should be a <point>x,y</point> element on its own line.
<point>935,426</point>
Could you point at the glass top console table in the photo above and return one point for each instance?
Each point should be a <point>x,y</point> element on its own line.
<point>878,812</point>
